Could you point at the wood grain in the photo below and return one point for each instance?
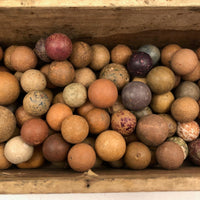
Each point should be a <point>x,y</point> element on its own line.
<point>67,181</point>
<point>159,25</point>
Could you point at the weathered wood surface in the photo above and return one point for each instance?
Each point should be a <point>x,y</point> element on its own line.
<point>66,181</point>
<point>112,24</point>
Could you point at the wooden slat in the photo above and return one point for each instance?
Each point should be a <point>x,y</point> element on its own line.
<point>67,181</point>
<point>98,3</point>
<point>128,25</point>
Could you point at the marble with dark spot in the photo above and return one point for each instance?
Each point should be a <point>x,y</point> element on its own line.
<point>124,122</point>
<point>117,73</point>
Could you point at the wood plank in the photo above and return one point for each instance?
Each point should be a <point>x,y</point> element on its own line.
<point>97,3</point>
<point>67,181</point>
<point>127,25</point>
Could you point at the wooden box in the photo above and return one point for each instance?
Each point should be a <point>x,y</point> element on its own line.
<point>132,22</point>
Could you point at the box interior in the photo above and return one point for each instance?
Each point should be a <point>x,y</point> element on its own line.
<point>23,23</point>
